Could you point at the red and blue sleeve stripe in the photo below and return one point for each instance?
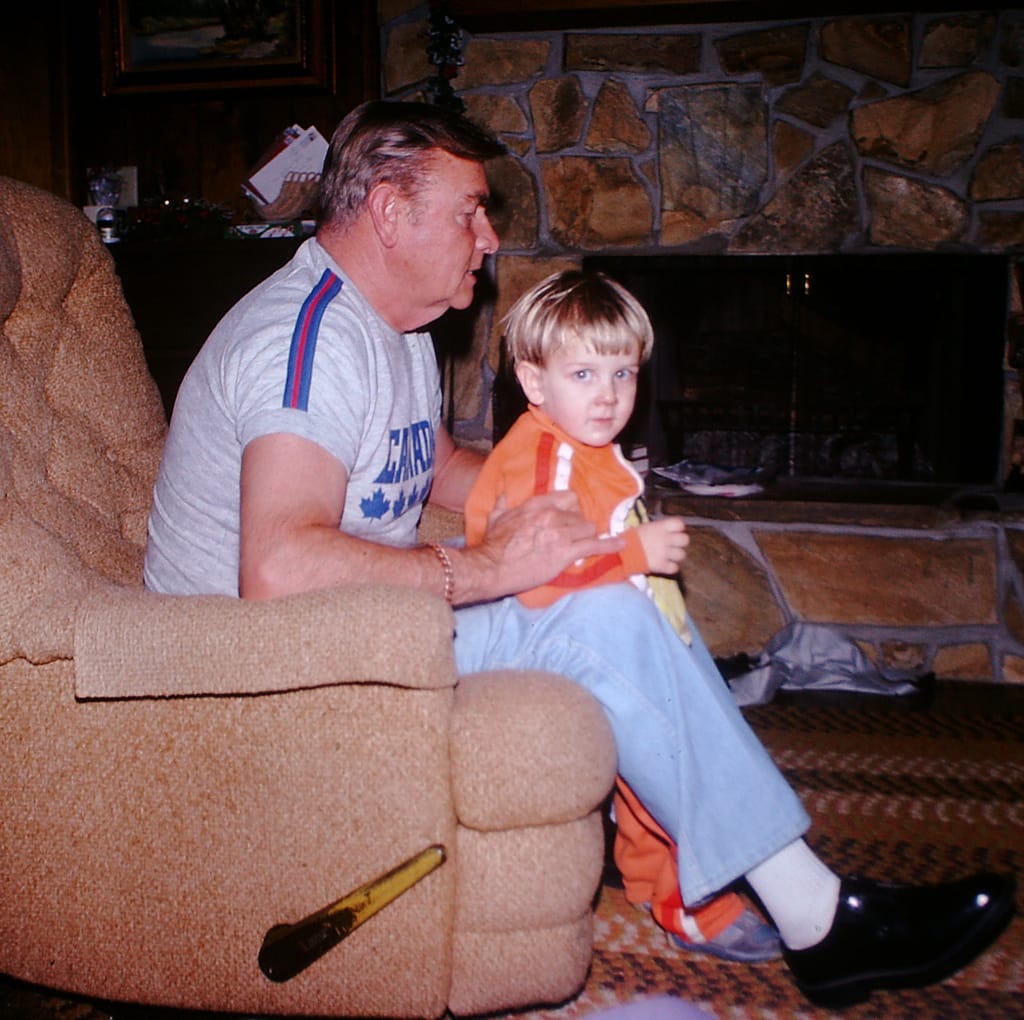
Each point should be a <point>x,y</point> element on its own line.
<point>304,338</point>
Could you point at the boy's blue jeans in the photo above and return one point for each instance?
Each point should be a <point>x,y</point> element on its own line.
<point>683,745</point>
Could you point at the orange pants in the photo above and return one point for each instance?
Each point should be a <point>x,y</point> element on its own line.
<point>646,858</point>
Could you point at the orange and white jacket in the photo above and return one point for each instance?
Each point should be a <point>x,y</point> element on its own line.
<point>535,457</point>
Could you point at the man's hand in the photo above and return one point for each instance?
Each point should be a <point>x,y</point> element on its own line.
<point>664,543</point>
<point>528,546</point>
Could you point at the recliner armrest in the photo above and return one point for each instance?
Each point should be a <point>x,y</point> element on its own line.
<point>135,644</point>
<point>541,739</point>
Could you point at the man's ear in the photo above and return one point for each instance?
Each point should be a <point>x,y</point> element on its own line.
<point>384,205</point>
<point>529,376</point>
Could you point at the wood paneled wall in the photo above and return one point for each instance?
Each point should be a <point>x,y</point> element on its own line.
<point>55,122</point>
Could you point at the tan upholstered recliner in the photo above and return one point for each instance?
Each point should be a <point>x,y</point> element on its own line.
<point>181,774</point>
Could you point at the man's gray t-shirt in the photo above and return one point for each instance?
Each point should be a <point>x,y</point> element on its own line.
<point>303,353</point>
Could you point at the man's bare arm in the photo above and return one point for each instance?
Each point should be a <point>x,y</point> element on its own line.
<point>455,471</point>
<point>292,499</point>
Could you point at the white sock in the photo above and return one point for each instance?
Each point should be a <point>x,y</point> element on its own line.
<point>799,892</point>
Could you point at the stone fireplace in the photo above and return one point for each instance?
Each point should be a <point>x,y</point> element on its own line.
<point>874,137</point>
<point>878,367</point>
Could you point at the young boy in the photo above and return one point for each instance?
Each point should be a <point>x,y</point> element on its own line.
<point>576,342</point>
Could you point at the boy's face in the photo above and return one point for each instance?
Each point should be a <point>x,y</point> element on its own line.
<point>590,396</point>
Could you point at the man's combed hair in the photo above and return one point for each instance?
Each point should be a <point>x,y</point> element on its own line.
<point>394,142</point>
<point>571,307</point>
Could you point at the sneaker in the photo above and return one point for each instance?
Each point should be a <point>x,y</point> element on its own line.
<point>747,940</point>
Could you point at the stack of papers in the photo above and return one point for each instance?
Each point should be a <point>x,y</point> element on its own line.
<point>713,480</point>
<point>297,154</point>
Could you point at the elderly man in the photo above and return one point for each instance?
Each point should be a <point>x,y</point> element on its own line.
<point>307,436</point>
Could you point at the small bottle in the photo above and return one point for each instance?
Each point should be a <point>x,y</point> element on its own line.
<point>106,221</point>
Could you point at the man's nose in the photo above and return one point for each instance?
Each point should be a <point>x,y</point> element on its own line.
<point>486,238</point>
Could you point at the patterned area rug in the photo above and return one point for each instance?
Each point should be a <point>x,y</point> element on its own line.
<point>904,792</point>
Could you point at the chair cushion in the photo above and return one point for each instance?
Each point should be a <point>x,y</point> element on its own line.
<point>511,736</point>
<point>488,967</point>
<point>81,420</point>
<point>535,877</point>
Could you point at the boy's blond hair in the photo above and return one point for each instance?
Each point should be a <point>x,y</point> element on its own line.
<point>574,306</point>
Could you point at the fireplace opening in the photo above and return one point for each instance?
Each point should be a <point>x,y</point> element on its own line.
<point>840,367</point>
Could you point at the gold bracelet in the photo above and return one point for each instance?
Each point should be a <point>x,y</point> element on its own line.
<point>449,573</point>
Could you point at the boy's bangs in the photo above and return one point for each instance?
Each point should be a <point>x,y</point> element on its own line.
<point>603,336</point>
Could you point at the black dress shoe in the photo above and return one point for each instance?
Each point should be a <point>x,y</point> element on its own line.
<point>889,936</point>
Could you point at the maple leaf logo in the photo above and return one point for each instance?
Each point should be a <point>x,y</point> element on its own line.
<point>376,506</point>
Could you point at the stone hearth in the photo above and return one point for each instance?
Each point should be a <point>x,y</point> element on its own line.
<point>889,133</point>
<point>918,586</point>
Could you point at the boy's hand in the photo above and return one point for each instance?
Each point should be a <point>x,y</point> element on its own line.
<point>664,543</point>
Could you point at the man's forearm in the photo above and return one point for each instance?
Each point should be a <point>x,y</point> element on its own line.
<point>513,559</point>
<point>324,558</point>
<point>321,557</point>
<point>454,476</point>
<point>292,499</point>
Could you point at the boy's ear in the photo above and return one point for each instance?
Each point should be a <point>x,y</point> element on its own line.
<point>529,376</point>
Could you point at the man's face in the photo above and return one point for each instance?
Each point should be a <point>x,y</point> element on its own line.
<point>444,237</point>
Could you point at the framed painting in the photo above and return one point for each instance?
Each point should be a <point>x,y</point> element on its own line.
<point>177,45</point>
